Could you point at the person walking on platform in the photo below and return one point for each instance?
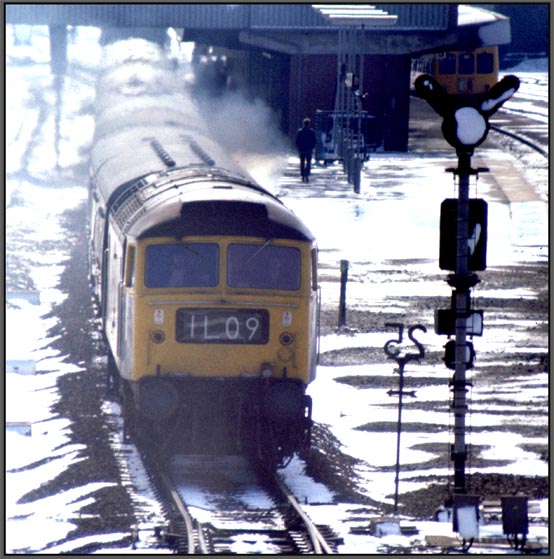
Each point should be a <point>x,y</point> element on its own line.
<point>305,142</point>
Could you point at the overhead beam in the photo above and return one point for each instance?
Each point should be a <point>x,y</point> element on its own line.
<point>327,43</point>
<point>270,42</point>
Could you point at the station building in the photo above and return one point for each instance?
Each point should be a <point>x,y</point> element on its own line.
<point>289,54</point>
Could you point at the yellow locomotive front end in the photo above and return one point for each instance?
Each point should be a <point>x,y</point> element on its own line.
<point>216,333</point>
<point>462,73</point>
<point>467,73</point>
<point>224,307</point>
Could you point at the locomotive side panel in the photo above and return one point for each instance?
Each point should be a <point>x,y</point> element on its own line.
<point>314,319</point>
<point>96,228</point>
<point>113,294</point>
<point>126,316</point>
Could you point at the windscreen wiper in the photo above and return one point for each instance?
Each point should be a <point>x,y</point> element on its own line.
<point>258,251</point>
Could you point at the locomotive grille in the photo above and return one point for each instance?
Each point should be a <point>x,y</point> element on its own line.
<point>202,154</point>
<point>167,160</point>
<point>198,150</point>
<point>127,191</point>
<point>128,206</point>
<point>129,212</point>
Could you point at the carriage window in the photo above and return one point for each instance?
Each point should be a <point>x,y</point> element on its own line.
<point>485,63</point>
<point>466,63</point>
<point>263,266</point>
<point>447,64</point>
<point>182,265</point>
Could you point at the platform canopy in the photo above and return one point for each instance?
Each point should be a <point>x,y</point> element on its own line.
<point>355,14</point>
<point>393,29</point>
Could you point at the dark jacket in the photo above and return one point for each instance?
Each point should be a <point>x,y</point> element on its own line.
<point>305,139</point>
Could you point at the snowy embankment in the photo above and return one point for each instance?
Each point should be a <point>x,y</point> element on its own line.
<point>42,183</point>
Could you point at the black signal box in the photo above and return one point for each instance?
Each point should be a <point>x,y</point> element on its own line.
<point>477,234</point>
<point>445,322</point>
<point>515,519</point>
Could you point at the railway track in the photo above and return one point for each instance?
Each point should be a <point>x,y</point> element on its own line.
<point>525,117</point>
<point>521,139</point>
<point>224,505</point>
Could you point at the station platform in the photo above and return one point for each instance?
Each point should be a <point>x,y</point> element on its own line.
<point>394,218</point>
<point>505,181</point>
<point>425,137</point>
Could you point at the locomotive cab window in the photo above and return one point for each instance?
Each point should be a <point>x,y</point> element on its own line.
<point>447,64</point>
<point>485,63</point>
<point>466,63</point>
<point>263,266</point>
<point>182,265</point>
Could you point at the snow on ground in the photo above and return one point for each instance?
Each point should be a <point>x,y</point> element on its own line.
<point>388,222</point>
<point>33,216</point>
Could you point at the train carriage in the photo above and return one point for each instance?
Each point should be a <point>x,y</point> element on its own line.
<point>461,72</point>
<point>207,283</point>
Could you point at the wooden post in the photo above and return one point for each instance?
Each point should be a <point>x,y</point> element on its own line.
<point>342,302</point>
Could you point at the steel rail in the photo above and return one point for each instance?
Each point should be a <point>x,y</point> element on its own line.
<point>181,508</point>
<point>520,139</point>
<point>197,542</point>
<point>320,545</point>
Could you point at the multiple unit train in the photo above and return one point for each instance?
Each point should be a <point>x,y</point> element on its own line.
<point>206,283</point>
<point>460,72</point>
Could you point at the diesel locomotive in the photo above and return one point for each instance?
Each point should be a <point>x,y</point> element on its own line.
<point>206,282</point>
<point>464,73</point>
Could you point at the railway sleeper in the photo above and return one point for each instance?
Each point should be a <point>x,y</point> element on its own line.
<point>330,536</point>
<point>301,542</point>
<point>222,541</point>
<point>176,537</point>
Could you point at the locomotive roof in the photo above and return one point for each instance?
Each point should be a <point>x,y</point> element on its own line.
<point>154,161</point>
<point>146,175</point>
<point>141,138</point>
<point>146,121</point>
<point>188,202</point>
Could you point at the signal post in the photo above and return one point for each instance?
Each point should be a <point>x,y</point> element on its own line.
<point>464,321</point>
<point>463,239</point>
